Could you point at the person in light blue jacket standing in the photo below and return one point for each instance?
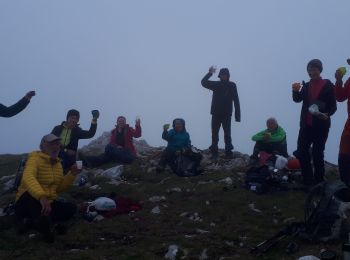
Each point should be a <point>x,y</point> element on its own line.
<point>178,141</point>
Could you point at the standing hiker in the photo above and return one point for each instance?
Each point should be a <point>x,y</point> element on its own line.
<point>224,94</point>
<point>342,93</point>
<point>318,105</point>
<point>18,107</point>
<point>70,133</point>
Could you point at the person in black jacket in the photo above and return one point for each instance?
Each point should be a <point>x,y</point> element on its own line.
<point>224,93</point>
<point>70,133</point>
<point>18,107</point>
<point>319,104</point>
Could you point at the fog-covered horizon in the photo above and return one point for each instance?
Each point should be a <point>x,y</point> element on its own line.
<point>147,59</point>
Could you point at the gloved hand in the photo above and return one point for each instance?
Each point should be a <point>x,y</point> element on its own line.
<point>338,75</point>
<point>95,114</point>
<point>166,127</point>
<point>30,94</point>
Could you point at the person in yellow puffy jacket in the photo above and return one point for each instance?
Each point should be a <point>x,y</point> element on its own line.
<point>36,200</point>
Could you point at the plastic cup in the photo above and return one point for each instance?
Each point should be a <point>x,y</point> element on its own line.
<point>79,164</point>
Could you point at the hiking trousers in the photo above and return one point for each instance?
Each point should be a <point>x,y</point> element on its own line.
<point>29,207</point>
<point>315,137</point>
<point>271,148</point>
<point>344,154</point>
<point>216,122</point>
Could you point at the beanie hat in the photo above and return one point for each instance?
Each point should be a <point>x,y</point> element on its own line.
<point>73,112</point>
<point>224,71</point>
<point>316,63</point>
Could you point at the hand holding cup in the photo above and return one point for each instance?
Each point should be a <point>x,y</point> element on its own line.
<point>296,87</point>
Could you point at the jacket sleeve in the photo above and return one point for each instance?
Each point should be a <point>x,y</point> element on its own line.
<point>259,136</point>
<point>207,83</point>
<point>331,102</point>
<point>165,135</point>
<point>278,136</point>
<point>112,139</point>
<point>83,134</point>
<point>298,95</point>
<point>29,178</point>
<point>56,131</point>
<point>342,93</point>
<point>68,180</point>
<point>236,104</point>
<point>188,143</point>
<point>136,133</point>
<point>14,109</point>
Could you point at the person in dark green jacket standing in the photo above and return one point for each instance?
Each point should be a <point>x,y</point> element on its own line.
<point>70,133</point>
<point>272,140</point>
<point>224,94</point>
<point>18,107</point>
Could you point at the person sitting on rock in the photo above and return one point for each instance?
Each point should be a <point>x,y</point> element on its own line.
<point>271,140</point>
<point>36,200</point>
<point>18,107</point>
<point>120,147</point>
<point>178,142</point>
<point>70,133</point>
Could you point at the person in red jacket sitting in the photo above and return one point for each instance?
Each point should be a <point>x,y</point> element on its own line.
<point>342,93</point>
<point>120,147</point>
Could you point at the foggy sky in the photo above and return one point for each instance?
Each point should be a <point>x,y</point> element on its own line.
<point>146,58</point>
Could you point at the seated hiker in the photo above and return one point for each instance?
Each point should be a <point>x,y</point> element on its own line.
<point>70,133</point>
<point>16,108</point>
<point>271,140</point>
<point>120,147</point>
<point>36,200</point>
<point>178,142</point>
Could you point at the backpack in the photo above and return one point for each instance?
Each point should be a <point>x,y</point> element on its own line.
<point>186,163</point>
<point>261,179</point>
<point>257,179</point>
<point>325,208</point>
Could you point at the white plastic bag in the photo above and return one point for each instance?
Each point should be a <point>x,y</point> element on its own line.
<point>102,204</point>
<point>281,162</point>
<point>113,173</point>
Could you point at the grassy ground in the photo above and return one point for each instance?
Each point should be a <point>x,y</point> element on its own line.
<point>205,216</point>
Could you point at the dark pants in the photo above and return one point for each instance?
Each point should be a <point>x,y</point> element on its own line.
<point>344,156</point>
<point>66,160</point>
<point>111,154</point>
<point>317,137</point>
<point>272,148</point>
<point>30,208</point>
<point>169,156</point>
<point>216,122</point>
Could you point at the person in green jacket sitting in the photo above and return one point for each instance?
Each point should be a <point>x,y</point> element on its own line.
<point>271,140</point>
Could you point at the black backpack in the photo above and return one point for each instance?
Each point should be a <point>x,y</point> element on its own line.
<point>325,206</point>
<point>185,166</point>
<point>258,179</point>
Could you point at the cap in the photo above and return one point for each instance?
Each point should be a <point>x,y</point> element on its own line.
<point>50,138</point>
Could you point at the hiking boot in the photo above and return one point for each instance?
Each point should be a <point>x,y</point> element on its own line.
<point>159,169</point>
<point>229,155</point>
<point>214,156</point>
<point>61,229</point>
<point>24,226</point>
<point>49,237</point>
